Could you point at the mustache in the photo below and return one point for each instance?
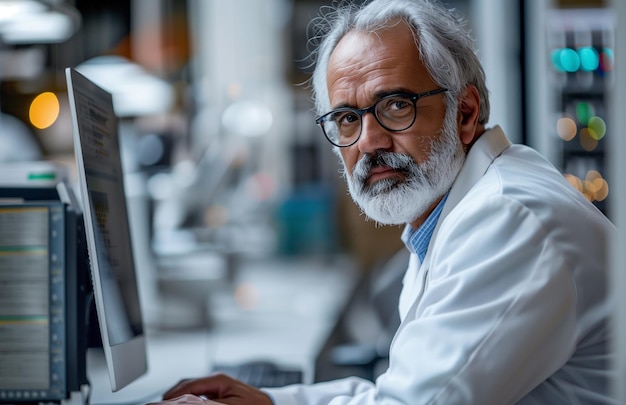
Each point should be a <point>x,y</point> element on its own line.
<point>397,161</point>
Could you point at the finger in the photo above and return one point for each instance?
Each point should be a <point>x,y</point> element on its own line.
<point>186,386</point>
<point>210,386</point>
<point>178,384</point>
<point>186,399</point>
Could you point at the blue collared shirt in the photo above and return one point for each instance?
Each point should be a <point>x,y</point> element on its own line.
<point>417,240</point>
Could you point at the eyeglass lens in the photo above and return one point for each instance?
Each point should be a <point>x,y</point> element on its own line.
<point>394,113</point>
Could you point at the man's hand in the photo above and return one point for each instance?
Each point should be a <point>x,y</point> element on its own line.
<point>218,387</point>
<point>186,399</point>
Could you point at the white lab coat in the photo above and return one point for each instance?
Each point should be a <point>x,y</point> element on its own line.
<point>509,305</point>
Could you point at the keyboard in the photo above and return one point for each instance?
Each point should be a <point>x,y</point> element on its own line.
<point>261,374</point>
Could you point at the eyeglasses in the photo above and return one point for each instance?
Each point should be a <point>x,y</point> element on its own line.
<point>396,112</point>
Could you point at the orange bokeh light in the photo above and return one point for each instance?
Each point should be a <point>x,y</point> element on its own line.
<point>44,110</point>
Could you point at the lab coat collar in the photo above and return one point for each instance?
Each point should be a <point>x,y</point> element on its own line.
<point>480,156</point>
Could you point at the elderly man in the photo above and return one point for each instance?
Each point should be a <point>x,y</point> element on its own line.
<point>504,299</point>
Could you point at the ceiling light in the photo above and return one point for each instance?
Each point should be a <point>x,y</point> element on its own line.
<point>27,22</point>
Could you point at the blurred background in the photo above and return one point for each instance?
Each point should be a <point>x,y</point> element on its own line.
<point>220,149</point>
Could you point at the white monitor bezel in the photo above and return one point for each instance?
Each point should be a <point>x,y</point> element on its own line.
<point>126,361</point>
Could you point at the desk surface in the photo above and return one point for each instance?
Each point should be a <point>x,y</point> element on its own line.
<point>290,308</point>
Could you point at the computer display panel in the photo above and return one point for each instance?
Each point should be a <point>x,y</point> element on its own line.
<point>32,313</point>
<point>101,185</point>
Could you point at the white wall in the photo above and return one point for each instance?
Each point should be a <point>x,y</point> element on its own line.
<point>495,25</point>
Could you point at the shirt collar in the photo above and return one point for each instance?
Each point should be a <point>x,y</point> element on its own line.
<point>417,240</point>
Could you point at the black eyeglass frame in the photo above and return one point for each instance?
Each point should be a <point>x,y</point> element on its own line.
<point>360,112</point>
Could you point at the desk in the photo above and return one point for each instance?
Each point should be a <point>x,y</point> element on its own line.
<point>291,308</point>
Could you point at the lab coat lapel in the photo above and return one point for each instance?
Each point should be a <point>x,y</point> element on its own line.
<point>488,147</point>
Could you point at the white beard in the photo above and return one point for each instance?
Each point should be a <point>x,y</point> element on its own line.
<point>396,201</point>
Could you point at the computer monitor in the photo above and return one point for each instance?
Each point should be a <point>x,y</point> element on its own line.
<point>34,336</point>
<point>101,187</point>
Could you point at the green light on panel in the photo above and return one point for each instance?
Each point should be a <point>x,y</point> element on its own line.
<point>584,111</point>
<point>41,176</point>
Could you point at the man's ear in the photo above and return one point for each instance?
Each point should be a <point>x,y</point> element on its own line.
<point>469,106</point>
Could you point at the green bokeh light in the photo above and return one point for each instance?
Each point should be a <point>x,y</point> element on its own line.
<point>597,127</point>
<point>584,111</point>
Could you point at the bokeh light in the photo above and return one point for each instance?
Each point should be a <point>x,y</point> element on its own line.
<point>597,127</point>
<point>574,181</point>
<point>584,111</point>
<point>589,60</point>
<point>566,60</point>
<point>594,187</point>
<point>585,58</point>
<point>555,56</point>
<point>566,128</point>
<point>602,189</point>
<point>44,110</point>
<point>587,142</point>
<point>606,60</point>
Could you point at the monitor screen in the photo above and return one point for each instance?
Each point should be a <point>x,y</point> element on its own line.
<point>101,185</point>
<point>32,313</point>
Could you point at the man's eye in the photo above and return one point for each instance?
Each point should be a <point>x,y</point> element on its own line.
<point>345,118</point>
<point>396,104</point>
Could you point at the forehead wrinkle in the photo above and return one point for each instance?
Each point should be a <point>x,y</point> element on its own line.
<point>364,65</point>
<point>363,81</point>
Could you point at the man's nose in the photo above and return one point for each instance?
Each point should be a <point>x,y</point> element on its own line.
<point>373,135</point>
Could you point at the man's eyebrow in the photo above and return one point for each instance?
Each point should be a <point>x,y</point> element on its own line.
<point>342,105</point>
<point>390,92</point>
<point>377,96</point>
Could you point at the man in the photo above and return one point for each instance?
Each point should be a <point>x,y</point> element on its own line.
<point>504,298</point>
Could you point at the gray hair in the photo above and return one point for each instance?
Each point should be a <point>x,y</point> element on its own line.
<point>444,44</point>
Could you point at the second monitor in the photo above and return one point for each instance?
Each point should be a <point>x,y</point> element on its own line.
<point>101,186</point>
